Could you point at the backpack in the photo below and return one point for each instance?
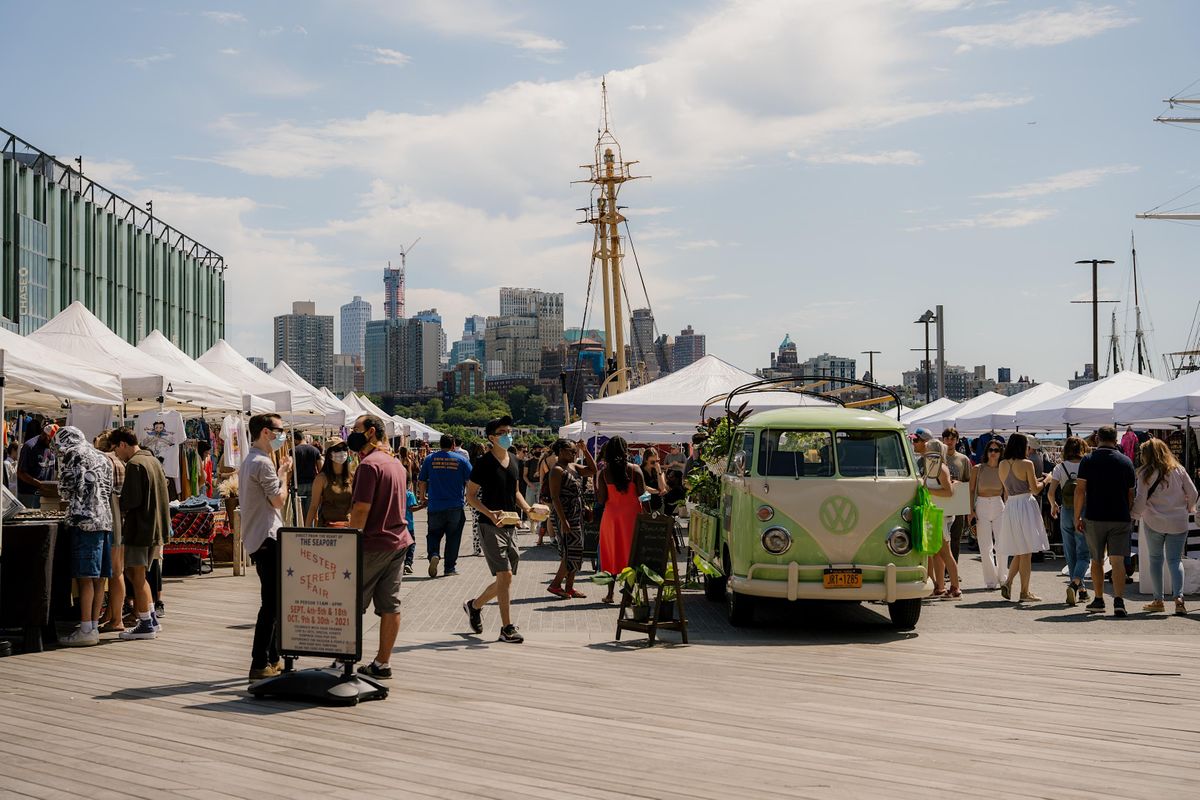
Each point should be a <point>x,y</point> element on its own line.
<point>1066,490</point>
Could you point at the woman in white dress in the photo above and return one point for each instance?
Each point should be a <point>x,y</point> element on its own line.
<point>1022,532</point>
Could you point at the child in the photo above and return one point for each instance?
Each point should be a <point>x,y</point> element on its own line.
<point>411,505</point>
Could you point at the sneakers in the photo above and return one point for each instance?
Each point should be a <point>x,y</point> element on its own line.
<point>509,633</point>
<point>143,630</point>
<point>433,565</point>
<point>154,623</point>
<point>1180,608</point>
<point>1119,607</point>
<point>474,615</point>
<point>376,671</point>
<point>1096,606</point>
<point>1081,593</point>
<point>450,572</point>
<point>1072,598</point>
<point>160,608</point>
<point>262,673</point>
<point>408,570</point>
<point>1030,597</point>
<point>1154,607</point>
<point>77,638</point>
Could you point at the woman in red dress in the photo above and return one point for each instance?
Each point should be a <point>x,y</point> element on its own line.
<point>618,488</point>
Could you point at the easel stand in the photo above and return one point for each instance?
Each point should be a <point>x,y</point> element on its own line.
<point>642,586</point>
<point>335,686</point>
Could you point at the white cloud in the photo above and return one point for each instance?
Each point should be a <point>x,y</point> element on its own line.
<point>1040,28</point>
<point>647,27</point>
<point>386,55</point>
<point>223,17</point>
<point>229,51</point>
<point>478,19</point>
<point>144,62</point>
<point>1063,182</point>
<point>1002,218</point>
<point>698,244</point>
<point>885,158</point>
<point>114,174</point>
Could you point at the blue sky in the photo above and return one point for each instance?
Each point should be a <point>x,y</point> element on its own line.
<point>824,168</point>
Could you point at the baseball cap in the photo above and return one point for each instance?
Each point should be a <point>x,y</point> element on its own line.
<point>497,424</point>
<point>923,434</point>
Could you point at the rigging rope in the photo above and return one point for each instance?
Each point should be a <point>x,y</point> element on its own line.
<point>587,304</point>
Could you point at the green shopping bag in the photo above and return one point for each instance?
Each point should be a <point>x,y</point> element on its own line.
<point>926,524</point>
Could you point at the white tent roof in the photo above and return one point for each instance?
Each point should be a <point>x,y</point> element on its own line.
<point>1172,401</point>
<point>37,377</point>
<point>1002,416</point>
<point>226,396</point>
<point>668,409</point>
<point>223,360</point>
<point>937,423</point>
<point>419,430</point>
<point>333,398</point>
<point>361,405</point>
<point>932,409</point>
<point>77,332</point>
<point>1088,406</point>
<point>572,432</point>
<point>308,405</point>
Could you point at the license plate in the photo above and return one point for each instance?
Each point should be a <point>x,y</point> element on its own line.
<point>843,579</point>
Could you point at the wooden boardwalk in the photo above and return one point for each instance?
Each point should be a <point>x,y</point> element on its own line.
<point>771,714</point>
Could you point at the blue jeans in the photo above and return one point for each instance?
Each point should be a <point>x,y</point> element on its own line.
<point>1075,547</point>
<point>448,523</point>
<point>1154,544</point>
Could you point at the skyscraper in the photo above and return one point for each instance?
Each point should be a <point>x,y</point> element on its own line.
<point>472,343</point>
<point>641,340</point>
<point>393,292</point>
<point>547,307</point>
<point>689,348</point>
<point>403,355</point>
<point>432,315</point>
<point>355,316</point>
<point>305,341</point>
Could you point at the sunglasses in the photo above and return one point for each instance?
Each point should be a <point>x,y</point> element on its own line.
<point>994,450</point>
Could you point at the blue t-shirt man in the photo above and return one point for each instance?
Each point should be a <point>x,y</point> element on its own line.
<point>443,481</point>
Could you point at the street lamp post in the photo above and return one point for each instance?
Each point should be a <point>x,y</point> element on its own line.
<point>1095,262</point>
<point>870,354</point>
<point>926,319</point>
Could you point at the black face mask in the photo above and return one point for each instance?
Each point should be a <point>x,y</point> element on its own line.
<point>356,441</point>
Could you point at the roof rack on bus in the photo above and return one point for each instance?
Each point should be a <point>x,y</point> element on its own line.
<point>777,385</point>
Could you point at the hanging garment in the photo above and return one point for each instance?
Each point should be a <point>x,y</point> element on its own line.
<point>161,433</point>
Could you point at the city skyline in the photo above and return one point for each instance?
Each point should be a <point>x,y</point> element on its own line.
<point>943,152</point>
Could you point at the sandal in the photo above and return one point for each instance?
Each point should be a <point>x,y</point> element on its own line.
<point>954,594</point>
<point>575,593</point>
<point>557,591</point>
<point>938,594</point>
<point>111,627</point>
<point>1180,608</point>
<point>607,600</point>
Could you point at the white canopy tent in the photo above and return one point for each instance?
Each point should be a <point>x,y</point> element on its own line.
<point>223,360</point>
<point>1088,406</point>
<point>38,378</point>
<point>574,432</point>
<point>309,408</point>
<point>333,398</point>
<point>1002,416</point>
<point>934,407</point>
<point>937,423</point>
<point>145,379</point>
<point>362,405</point>
<point>1173,403</point>
<point>669,409</point>
<point>419,430</point>
<point>228,397</point>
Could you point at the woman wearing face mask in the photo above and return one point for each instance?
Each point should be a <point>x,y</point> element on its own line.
<point>330,506</point>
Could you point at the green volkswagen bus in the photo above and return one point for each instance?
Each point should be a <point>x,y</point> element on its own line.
<point>816,504</point>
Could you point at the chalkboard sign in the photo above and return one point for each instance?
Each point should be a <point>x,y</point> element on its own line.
<point>652,537</point>
<point>320,580</point>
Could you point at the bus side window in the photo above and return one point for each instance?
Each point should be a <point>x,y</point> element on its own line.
<point>743,453</point>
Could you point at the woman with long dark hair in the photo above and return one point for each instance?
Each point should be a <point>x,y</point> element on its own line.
<point>1022,532</point>
<point>1075,546</point>
<point>618,489</point>
<point>656,481</point>
<point>987,506</point>
<point>330,505</point>
<point>566,494</point>
<point>1165,495</point>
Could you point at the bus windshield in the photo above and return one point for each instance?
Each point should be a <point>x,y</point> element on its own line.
<point>871,454</point>
<point>812,454</point>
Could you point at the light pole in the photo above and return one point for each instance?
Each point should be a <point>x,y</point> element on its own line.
<point>926,319</point>
<point>1095,301</point>
<point>870,354</point>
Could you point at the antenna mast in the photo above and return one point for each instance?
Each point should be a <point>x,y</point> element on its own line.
<point>607,172</point>
<point>1139,337</point>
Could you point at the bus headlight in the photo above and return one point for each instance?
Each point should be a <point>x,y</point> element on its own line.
<point>899,541</point>
<point>776,541</point>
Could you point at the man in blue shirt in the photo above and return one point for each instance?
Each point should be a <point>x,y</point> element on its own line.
<point>442,482</point>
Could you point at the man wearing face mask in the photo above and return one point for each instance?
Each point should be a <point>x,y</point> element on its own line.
<point>378,506</point>
<point>493,493</point>
<point>262,492</point>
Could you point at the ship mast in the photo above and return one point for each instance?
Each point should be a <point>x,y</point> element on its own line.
<point>1139,337</point>
<point>1115,362</point>
<point>607,172</point>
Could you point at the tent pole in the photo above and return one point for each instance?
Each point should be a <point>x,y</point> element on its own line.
<point>1187,442</point>
<point>3,381</point>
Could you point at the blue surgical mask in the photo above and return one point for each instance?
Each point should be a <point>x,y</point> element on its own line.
<point>278,441</point>
<point>505,441</point>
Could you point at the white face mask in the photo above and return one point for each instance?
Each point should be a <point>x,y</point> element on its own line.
<point>340,457</point>
<point>278,441</point>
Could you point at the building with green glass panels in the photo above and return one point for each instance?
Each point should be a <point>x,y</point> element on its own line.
<point>67,238</point>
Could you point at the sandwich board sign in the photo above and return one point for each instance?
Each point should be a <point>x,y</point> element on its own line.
<point>320,575</point>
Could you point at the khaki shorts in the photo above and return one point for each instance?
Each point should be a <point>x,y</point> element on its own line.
<point>381,576</point>
<point>499,547</point>
<point>137,556</point>
<point>1110,536</point>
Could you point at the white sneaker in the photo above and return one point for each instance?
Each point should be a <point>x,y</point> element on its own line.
<point>433,565</point>
<point>77,638</point>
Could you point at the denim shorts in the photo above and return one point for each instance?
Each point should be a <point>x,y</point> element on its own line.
<point>91,554</point>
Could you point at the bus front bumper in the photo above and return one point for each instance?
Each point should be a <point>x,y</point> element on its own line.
<point>794,582</point>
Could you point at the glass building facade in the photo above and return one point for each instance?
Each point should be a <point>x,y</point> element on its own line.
<point>66,238</point>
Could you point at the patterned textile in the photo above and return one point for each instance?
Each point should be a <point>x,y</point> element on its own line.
<point>85,481</point>
<point>192,532</point>
<point>570,544</point>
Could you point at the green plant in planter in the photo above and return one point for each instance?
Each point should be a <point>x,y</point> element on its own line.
<point>704,485</point>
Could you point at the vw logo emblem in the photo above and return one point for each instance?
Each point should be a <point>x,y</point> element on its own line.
<point>839,514</point>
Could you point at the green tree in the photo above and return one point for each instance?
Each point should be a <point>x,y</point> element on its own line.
<point>517,398</point>
<point>535,410</point>
<point>434,411</point>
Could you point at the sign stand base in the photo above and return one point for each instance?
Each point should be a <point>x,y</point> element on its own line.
<point>329,685</point>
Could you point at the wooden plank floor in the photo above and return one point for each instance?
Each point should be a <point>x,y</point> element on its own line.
<point>1108,713</point>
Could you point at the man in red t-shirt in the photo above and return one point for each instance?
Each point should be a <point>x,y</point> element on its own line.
<point>380,486</point>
